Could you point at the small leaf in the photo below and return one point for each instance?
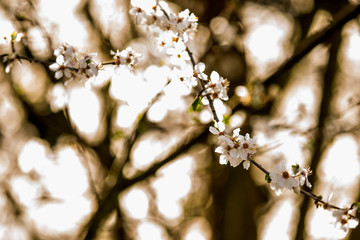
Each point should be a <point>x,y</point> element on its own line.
<point>357,205</point>
<point>196,105</point>
<point>295,168</point>
<point>227,120</point>
<point>267,178</point>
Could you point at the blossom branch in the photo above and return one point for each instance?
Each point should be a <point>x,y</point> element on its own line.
<point>211,102</point>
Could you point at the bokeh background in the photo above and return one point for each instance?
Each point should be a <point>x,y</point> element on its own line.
<point>128,159</point>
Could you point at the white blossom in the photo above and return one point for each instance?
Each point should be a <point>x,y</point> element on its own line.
<point>178,54</point>
<point>304,173</point>
<point>182,25</point>
<point>216,88</point>
<point>139,13</point>
<point>186,75</point>
<point>199,71</point>
<point>282,177</point>
<point>343,220</point>
<point>60,68</point>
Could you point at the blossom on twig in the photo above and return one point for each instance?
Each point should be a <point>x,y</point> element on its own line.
<point>127,57</point>
<point>344,221</point>
<point>216,88</point>
<point>282,177</point>
<point>235,149</point>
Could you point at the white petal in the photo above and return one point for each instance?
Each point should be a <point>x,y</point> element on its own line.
<point>205,101</point>
<point>221,126</point>
<point>225,97</point>
<point>291,183</point>
<point>214,77</point>
<point>223,159</point>
<point>54,67</point>
<point>236,132</point>
<point>234,153</point>
<point>353,223</point>
<point>234,162</point>
<point>213,130</point>
<point>246,164</point>
<point>60,59</point>
<point>201,66</point>
<point>219,149</point>
<point>308,184</point>
<point>243,154</point>
<point>58,74</point>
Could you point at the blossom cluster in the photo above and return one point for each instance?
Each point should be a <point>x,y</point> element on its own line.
<point>216,88</point>
<point>234,149</point>
<point>70,63</point>
<point>170,27</point>
<point>172,32</point>
<point>127,57</point>
<point>73,64</point>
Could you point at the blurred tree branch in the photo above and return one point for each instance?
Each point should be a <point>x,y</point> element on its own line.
<point>320,142</point>
<point>344,15</point>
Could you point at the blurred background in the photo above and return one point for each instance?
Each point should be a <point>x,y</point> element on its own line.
<point>127,158</point>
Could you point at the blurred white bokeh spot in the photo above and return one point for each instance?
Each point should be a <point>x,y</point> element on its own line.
<point>136,203</point>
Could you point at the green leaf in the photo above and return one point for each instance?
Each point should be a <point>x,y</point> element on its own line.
<point>357,205</point>
<point>227,119</point>
<point>196,105</point>
<point>267,178</point>
<point>295,168</point>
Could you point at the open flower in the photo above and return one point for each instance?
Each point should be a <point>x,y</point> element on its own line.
<point>304,174</point>
<point>282,177</point>
<point>343,220</point>
<point>60,68</point>
<point>216,88</point>
<point>178,54</point>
